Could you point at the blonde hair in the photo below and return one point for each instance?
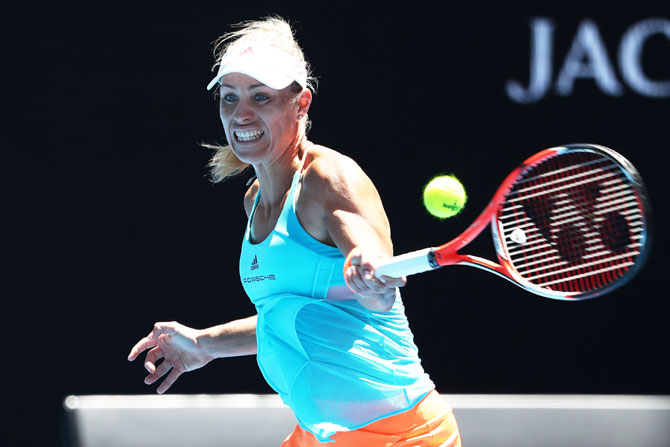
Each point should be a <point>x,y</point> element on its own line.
<point>273,31</point>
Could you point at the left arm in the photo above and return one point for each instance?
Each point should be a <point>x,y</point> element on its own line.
<point>351,215</point>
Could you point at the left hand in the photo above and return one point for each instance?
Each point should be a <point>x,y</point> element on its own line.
<point>374,293</point>
<point>177,345</point>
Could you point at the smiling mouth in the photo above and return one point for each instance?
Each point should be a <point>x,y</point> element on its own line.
<point>248,135</point>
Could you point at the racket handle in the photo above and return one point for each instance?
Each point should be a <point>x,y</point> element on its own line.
<point>408,264</point>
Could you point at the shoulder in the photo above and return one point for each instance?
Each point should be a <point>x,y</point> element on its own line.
<point>332,171</point>
<point>250,196</point>
<point>333,181</point>
<point>340,203</point>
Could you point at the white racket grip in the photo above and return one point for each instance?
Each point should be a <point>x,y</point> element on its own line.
<point>408,264</point>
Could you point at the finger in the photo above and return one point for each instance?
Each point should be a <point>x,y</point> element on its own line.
<point>348,273</point>
<point>370,286</point>
<point>147,342</point>
<point>357,283</point>
<point>366,273</point>
<point>394,282</point>
<point>373,283</point>
<point>150,340</point>
<point>169,380</point>
<point>160,371</point>
<point>366,269</point>
<point>152,357</point>
<point>355,259</point>
<point>361,280</point>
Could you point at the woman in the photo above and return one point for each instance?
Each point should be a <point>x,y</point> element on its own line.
<point>334,344</point>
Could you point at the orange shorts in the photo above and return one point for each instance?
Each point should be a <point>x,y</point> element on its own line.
<point>431,423</point>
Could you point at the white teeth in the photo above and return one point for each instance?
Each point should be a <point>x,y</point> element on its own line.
<point>248,135</point>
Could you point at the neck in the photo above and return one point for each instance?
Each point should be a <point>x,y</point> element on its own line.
<point>275,176</point>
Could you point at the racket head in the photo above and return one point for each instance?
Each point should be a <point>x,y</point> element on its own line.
<point>574,223</point>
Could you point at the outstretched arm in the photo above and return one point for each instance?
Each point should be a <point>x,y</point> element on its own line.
<point>352,218</point>
<point>185,349</point>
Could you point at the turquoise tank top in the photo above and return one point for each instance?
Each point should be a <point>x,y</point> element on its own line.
<point>336,364</point>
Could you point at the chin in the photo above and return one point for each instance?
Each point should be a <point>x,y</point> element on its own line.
<point>247,153</point>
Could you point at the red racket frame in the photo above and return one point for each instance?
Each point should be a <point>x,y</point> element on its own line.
<point>447,254</point>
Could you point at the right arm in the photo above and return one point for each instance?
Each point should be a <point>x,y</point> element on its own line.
<point>185,349</point>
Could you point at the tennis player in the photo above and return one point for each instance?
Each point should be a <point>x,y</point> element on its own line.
<point>336,346</point>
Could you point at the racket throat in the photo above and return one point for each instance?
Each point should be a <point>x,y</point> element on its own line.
<point>432,259</point>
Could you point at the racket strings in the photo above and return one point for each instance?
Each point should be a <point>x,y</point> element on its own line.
<point>572,223</point>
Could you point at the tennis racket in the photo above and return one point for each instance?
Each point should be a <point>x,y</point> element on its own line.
<point>569,223</point>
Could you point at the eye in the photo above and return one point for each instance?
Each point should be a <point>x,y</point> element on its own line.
<point>261,97</point>
<point>229,98</point>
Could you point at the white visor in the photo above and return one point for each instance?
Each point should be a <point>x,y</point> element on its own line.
<point>266,64</point>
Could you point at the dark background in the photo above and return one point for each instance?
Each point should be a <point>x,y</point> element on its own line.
<point>111,222</point>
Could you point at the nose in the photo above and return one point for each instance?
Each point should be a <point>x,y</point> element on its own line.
<point>243,113</point>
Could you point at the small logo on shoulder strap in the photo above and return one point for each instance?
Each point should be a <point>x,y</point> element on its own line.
<point>254,263</point>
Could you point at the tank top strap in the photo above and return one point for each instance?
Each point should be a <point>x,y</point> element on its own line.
<point>290,199</point>
<point>247,233</point>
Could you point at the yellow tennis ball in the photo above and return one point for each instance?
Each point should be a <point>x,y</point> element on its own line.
<point>444,196</point>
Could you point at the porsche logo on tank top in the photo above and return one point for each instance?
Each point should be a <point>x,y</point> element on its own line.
<point>255,266</point>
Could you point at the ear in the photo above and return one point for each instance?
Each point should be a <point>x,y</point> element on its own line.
<point>304,101</point>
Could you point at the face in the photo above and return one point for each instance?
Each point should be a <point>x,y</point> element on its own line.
<point>259,122</point>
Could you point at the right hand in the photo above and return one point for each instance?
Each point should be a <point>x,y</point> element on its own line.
<point>177,345</point>
<point>376,294</point>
